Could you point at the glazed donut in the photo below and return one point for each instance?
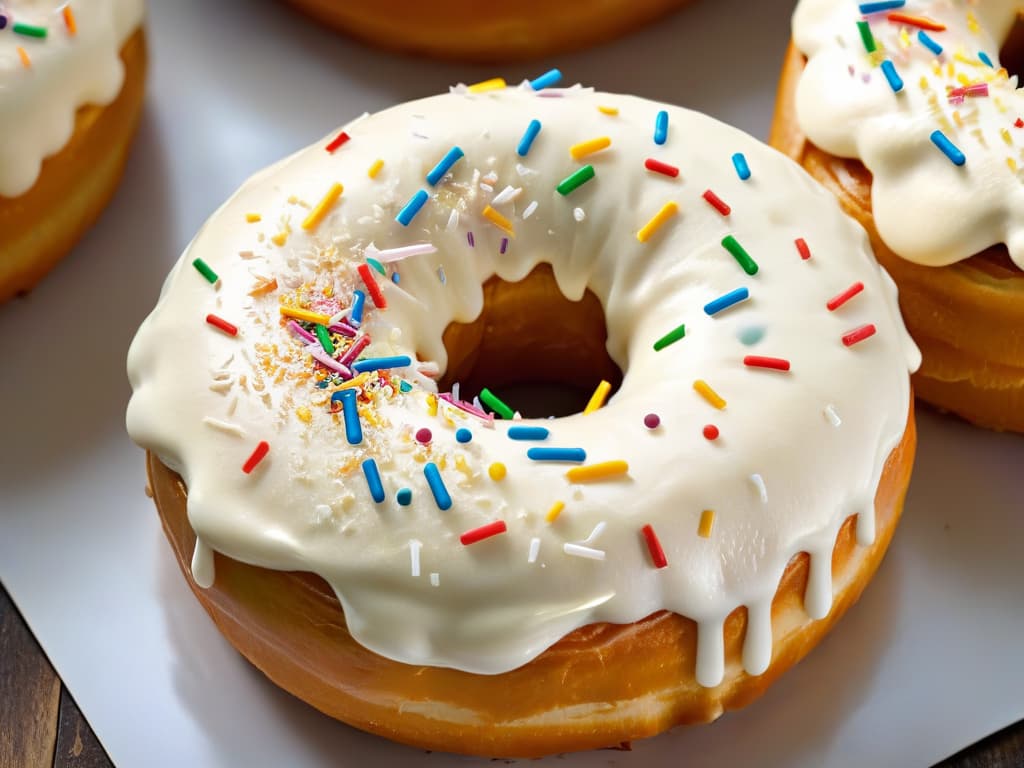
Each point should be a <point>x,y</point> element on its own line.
<point>920,139</point>
<point>71,90</point>
<point>425,564</point>
<point>469,30</point>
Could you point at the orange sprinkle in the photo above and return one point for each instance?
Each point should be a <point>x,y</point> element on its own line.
<point>707,523</point>
<point>26,62</point>
<point>499,221</point>
<point>264,286</point>
<point>375,168</point>
<point>321,209</point>
<point>69,20</point>
<point>555,511</point>
<point>600,471</point>
<point>589,147</point>
<point>923,22</point>
<point>252,218</point>
<point>705,391</point>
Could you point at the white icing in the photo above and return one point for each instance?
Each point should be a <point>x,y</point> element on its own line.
<point>38,103</point>
<point>502,601</point>
<point>926,209</point>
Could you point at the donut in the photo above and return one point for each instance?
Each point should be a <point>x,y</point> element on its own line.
<point>323,390</point>
<point>71,91</point>
<point>468,30</point>
<point>905,113</point>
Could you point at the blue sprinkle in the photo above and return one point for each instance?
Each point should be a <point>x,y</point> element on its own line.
<point>557,454</point>
<point>436,483</point>
<point>373,480</point>
<point>740,164</point>
<point>358,303</point>
<point>376,265</point>
<point>404,496</point>
<point>882,5</point>
<point>948,148</point>
<point>353,427</point>
<point>395,278</point>
<point>405,386</point>
<point>727,300</point>
<point>437,173</point>
<point>408,213</point>
<point>751,334</point>
<point>527,141</point>
<point>928,42</point>
<point>381,363</point>
<point>463,435</point>
<point>661,127</point>
<point>528,433</point>
<point>895,81</point>
<point>549,78</point>
<point>984,57</point>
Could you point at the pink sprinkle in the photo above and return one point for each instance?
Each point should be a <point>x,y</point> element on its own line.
<point>328,362</point>
<point>353,351</point>
<point>423,435</point>
<point>301,332</point>
<point>652,421</point>
<point>344,329</point>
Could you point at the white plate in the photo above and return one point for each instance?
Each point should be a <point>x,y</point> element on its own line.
<point>927,663</point>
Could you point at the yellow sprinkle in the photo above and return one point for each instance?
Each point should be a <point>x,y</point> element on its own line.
<point>26,62</point>
<point>589,147</point>
<point>924,83</point>
<point>321,209</point>
<point>608,110</point>
<point>280,238</point>
<point>972,23</point>
<point>957,119</point>
<point>305,314</point>
<point>1006,136</point>
<point>668,210</point>
<point>494,84</point>
<point>305,415</point>
<point>600,471</point>
<point>963,79</point>
<point>707,522</point>
<point>432,405</point>
<point>597,399</point>
<point>555,511</point>
<point>499,221</point>
<point>1012,164</point>
<point>462,466</point>
<point>328,291</point>
<point>252,218</point>
<point>497,471</point>
<point>709,394</point>
<point>358,381</point>
<point>904,39</point>
<point>375,168</point>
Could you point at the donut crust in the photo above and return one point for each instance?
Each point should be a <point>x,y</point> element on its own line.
<point>39,227</point>
<point>599,686</point>
<point>967,318</point>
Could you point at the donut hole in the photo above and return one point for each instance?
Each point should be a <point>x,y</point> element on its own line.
<point>1011,55</point>
<point>541,353</point>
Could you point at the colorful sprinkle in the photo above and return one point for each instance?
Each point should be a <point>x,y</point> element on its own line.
<point>528,433</point>
<point>463,435</point>
<point>659,167</point>
<point>222,324</point>
<point>494,84</point>
<point>556,454</point>
<point>372,287</point>
<point>483,532</point>
<point>527,141</point>
<point>204,269</point>
<point>929,43</point>
<point>373,480</point>
<point>355,313</point>
<point>727,300</point>
<point>26,61</point>
<point>866,37</point>
<point>771,363</point>
<point>496,404</point>
<point>739,253</point>
<point>589,147</point>
<point>948,148</point>
<point>921,22</point>
<point>803,249</point>
<point>404,497</point>
<point>654,547</point>
<point>578,550</point>
<point>377,266</point>
<point>444,165</point>
<point>707,524</point>
<point>256,457</point>
<point>324,337</point>
<point>354,350</point>
<point>374,169</point>
<point>337,141</point>
<point>594,472</point>
<point>858,335</point>
<point>424,435</point>
<point>575,180</point>
<point>253,218</point>
<point>498,220</point>
<point>497,471</point>
<point>382,363</point>
<point>555,511</point>
<point>305,315</point>
<point>704,390</point>
<point>892,76</point>
<point>739,162</point>
<point>350,414</point>
<point>661,127</point>
<point>881,5</point>
<point>652,421</point>
<point>320,210</point>
<point>409,211</point>
<point>668,210</point>
<point>716,202</point>
<point>548,79</point>
<point>29,30</point>
<point>670,338</point>
<point>597,399</point>
<point>437,487</point>
<point>837,301</point>
<point>611,111</point>
<point>69,20</point>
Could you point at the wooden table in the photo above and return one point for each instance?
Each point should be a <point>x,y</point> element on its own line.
<point>40,724</point>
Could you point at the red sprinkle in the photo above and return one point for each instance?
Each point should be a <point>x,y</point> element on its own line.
<point>424,435</point>
<point>1019,122</point>
<point>483,532</point>
<point>859,334</point>
<point>801,246</point>
<point>717,203</point>
<point>353,352</point>
<point>224,325</point>
<point>659,167</point>
<point>916,21</point>
<point>654,547</point>
<point>372,287</point>
<point>837,301</point>
<point>257,456</point>
<point>774,363</point>
<point>340,139</point>
<point>711,432</point>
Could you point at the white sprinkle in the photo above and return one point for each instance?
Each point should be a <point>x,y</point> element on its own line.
<point>534,550</point>
<point>397,254</point>
<point>414,556</point>
<point>222,386</point>
<point>530,209</point>
<point>832,416</point>
<point>435,579</point>
<point>455,390</point>
<point>507,195</point>
<point>579,550</point>
<point>322,513</point>
<point>579,214</point>
<point>224,426</point>
<point>758,482</point>
<point>487,188</point>
<point>522,170</point>
<point>598,530</point>
<point>453,221</point>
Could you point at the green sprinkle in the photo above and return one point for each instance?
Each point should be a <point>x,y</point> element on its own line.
<point>732,246</point>
<point>204,269</point>
<point>377,265</point>
<point>325,338</point>
<point>29,30</point>
<point>405,386</point>
<point>493,402</point>
<point>670,338</point>
<point>867,37</point>
<point>575,180</point>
